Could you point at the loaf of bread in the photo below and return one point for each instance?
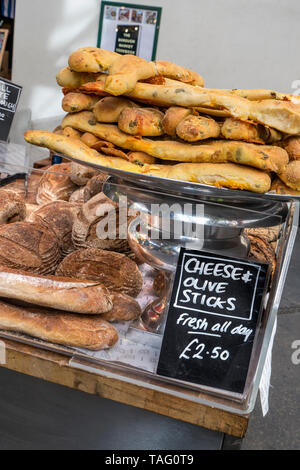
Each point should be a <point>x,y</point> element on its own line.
<point>114,270</point>
<point>30,247</point>
<point>11,206</point>
<point>80,174</point>
<point>56,184</point>
<point>125,308</point>
<point>58,216</point>
<point>90,332</point>
<point>86,229</point>
<point>72,295</point>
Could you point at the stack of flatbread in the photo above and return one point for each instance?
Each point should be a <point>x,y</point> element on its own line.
<point>157,118</point>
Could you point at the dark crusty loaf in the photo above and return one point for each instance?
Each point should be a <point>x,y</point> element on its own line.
<point>125,308</point>
<point>88,331</point>
<point>30,247</point>
<point>114,270</point>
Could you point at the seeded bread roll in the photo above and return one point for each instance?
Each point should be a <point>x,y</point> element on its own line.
<point>63,293</point>
<point>88,331</point>
<point>113,270</point>
<point>30,247</point>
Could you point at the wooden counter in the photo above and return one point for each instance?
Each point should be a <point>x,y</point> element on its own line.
<point>55,367</point>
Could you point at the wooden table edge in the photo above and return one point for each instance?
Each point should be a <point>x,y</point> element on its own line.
<point>54,367</point>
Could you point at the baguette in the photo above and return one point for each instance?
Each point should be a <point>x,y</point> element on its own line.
<point>62,293</point>
<point>217,174</point>
<point>259,156</point>
<point>90,332</point>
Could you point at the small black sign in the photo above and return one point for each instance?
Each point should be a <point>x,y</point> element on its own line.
<point>127,39</point>
<point>9,98</point>
<point>213,315</point>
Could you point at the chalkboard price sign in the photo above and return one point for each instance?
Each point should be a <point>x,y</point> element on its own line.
<point>9,98</point>
<point>213,316</point>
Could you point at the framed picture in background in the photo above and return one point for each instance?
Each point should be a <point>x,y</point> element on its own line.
<point>129,29</point>
<point>3,40</point>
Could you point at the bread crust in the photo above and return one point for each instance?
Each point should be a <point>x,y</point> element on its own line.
<point>88,331</point>
<point>62,293</point>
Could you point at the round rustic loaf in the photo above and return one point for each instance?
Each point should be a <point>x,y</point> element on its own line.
<point>113,270</point>
<point>11,206</point>
<point>58,216</point>
<point>80,174</point>
<point>87,226</point>
<point>56,184</point>
<point>85,193</point>
<point>30,247</point>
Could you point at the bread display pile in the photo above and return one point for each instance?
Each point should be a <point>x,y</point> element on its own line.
<point>58,281</point>
<point>156,118</point>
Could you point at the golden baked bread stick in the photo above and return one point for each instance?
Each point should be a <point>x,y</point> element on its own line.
<point>195,128</point>
<point>69,79</point>
<point>109,108</point>
<point>75,102</point>
<point>259,156</point>
<point>281,115</point>
<point>141,121</point>
<point>291,175</point>
<point>186,96</point>
<point>227,175</point>
<point>172,118</point>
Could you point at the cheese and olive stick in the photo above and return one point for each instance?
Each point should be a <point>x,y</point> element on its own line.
<point>226,175</point>
<point>259,156</point>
